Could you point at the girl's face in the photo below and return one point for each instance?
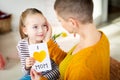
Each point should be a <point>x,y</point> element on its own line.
<point>35,27</point>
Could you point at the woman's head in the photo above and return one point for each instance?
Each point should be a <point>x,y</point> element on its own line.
<point>33,25</point>
<point>81,10</point>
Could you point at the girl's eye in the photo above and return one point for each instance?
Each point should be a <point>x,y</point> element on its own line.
<point>35,27</point>
<point>44,26</point>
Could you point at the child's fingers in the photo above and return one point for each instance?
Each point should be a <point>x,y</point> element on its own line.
<point>32,74</point>
<point>29,62</point>
<point>32,61</point>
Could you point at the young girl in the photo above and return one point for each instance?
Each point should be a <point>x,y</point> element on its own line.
<point>33,28</point>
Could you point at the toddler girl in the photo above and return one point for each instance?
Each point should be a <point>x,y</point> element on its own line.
<point>33,28</point>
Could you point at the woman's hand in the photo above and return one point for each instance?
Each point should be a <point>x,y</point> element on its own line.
<point>34,75</point>
<point>48,34</point>
<point>29,62</point>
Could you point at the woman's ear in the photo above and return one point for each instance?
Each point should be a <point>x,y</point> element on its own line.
<point>73,22</point>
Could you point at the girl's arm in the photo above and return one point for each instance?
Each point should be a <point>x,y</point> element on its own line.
<point>56,53</point>
<point>23,53</point>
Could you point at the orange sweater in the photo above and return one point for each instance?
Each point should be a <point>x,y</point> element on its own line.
<point>91,63</point>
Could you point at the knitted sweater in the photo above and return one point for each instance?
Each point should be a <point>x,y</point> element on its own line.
<point>91,63</point>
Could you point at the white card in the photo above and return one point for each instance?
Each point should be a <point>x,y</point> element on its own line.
<point>40,53</point>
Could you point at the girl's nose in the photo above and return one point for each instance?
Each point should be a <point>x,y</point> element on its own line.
<point>40,29</point>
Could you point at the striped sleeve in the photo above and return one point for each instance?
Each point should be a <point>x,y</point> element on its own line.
<point>23,53</point>
<point>52,74</point>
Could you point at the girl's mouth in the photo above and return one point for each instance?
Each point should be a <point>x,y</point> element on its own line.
<point>40,35</point>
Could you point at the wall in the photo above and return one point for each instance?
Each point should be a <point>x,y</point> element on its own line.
<point>115,3</point>
<point>15,7</point>
<point>100,11</point>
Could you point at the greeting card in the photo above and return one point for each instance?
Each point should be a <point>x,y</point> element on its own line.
<point>40,53</point>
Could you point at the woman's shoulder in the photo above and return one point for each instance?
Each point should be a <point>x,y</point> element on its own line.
<point>103,40</point>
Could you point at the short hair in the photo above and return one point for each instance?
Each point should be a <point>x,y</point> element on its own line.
<point>23,16</point>
<point>81,10</point>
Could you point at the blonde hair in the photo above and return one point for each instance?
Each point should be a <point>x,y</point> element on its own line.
<point>23,17</point>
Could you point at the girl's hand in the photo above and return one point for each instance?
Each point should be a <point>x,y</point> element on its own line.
<point>34,75</point>
<point>29,62</point>
<point>48,34</point>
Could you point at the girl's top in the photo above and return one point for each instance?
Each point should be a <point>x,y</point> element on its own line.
<point>23,52</point>
<point>91,63</point>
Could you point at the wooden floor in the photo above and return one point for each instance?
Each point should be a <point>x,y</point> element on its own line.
<point>114,69</point>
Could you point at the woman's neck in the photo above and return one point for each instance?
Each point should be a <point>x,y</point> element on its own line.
<point>89,36</point>
<point>88,33</point>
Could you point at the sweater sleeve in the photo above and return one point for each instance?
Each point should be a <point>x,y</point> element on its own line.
<point>55,52</point>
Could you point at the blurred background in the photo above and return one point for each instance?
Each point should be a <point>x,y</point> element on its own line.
<point>106,17</point>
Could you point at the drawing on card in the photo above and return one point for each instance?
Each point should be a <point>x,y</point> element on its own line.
<point>40,53</point>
